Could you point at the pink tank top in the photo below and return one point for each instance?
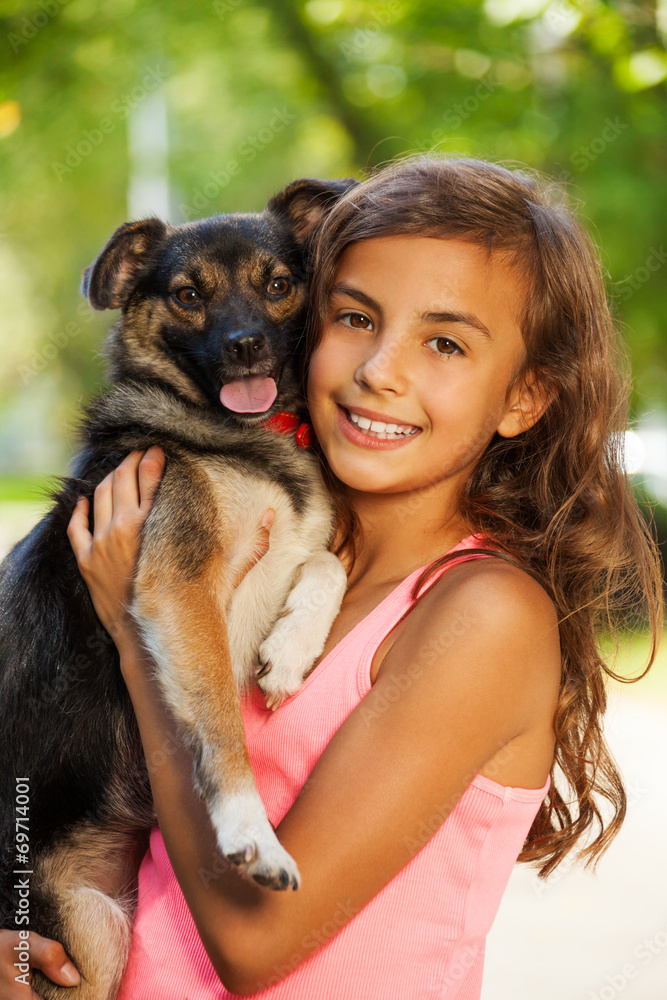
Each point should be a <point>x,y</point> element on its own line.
<point>422,937</point>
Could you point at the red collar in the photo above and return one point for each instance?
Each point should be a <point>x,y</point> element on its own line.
<point>285,422</point>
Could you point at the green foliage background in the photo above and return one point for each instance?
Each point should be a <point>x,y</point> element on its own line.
<point>574,87</point>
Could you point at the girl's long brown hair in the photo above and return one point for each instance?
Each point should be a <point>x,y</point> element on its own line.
<point>555,499</point>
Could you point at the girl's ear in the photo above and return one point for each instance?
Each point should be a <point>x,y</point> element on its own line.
<point>528,401</point>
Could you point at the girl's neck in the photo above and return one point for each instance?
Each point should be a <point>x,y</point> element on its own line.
<point>398,533</point>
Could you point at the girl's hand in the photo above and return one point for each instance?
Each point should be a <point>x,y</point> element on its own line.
<point>107,558</point>
<point>46,955</point>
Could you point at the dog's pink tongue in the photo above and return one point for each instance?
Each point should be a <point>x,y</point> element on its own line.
<point>252,394</point>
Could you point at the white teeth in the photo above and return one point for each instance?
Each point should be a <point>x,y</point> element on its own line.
<point>385,431</point>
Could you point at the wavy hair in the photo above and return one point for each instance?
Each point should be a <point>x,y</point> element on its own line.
<point>555,500</point>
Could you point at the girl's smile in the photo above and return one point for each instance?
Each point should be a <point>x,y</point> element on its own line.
<point>412,375</point>
<point>374,430</point>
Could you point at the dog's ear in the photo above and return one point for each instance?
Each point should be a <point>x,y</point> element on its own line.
<point>304,203</point>
<point>108,281</point>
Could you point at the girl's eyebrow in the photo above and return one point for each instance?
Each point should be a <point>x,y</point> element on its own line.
<point>457,317</point>
<point>429,317</point>
<point>355,293</point>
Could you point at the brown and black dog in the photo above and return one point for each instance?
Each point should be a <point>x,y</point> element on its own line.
<point>204,353</point>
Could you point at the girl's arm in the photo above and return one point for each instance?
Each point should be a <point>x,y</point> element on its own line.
<point>393,767</point>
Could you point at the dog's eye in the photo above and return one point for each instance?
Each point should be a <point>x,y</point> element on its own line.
<point>279,286</point>
<point>188,296</point>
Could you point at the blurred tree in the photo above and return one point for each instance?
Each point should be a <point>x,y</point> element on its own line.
<point>258,93</point>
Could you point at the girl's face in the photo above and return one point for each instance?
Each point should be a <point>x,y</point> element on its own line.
<point>410,379</point>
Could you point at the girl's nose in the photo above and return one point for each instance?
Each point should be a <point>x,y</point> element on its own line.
<point>384,369</point>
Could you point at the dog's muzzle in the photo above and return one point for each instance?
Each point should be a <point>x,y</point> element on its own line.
<point>252,391</point>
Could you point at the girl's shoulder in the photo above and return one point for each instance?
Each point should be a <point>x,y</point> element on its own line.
<point>502,600</point>
<point>483,625</point>
<point>496,583</point>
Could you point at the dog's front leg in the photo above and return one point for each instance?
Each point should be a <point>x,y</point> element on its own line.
<point>298,637</point>
<point>179,614</point>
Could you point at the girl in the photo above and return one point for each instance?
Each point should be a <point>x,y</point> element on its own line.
<point>463,387</point>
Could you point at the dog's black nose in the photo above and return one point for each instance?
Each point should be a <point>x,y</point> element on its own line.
<point>246,347</point>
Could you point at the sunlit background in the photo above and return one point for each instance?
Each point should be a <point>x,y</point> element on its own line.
<point>114,109</point>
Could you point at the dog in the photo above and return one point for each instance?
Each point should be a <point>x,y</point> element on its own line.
<point>204,361</point>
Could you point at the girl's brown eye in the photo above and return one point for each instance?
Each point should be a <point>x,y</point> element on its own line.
<point>358,321</point>
<point>188,296</point>
<point>279,286</point>
<point>445,346</point>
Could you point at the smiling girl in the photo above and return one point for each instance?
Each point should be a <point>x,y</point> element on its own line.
<point>463,387</point>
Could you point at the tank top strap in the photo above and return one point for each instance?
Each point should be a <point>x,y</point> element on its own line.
<point>374,629</point>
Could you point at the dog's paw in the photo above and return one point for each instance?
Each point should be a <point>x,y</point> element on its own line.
<point>282,667</point>
<point>277,683</point>
<point>247,840</point>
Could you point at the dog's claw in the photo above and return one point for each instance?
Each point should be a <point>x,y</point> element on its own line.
<point>261,879</point>
<point>275,700</point>
<point>249,862</point>
<point>243,856</point>
<point>280,883</point>
<point>263,667</point>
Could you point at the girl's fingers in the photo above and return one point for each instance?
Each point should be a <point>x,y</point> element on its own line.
<point>125,486</point>
<point>42,953</point>
<point>52,959</point>
<point>78,530</point>
<point>135,481</point>
<point>103,504</point>
<point>107,559</point>
<point>151,469</point>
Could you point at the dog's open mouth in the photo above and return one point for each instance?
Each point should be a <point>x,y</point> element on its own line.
<point>251,393</point>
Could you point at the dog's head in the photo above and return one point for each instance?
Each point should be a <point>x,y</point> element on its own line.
<point>214,308</point>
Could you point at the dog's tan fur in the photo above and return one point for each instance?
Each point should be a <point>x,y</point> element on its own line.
<point>96,901</point>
